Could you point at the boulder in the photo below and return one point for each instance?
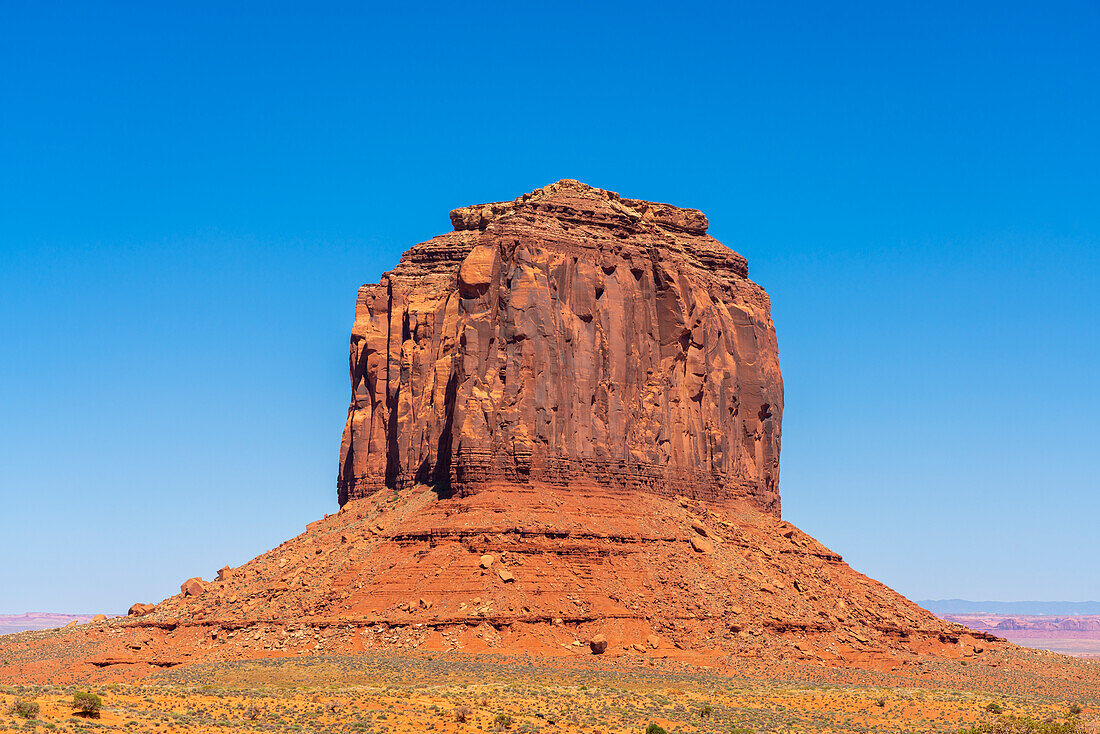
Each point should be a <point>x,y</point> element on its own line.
<point>598,643</point>
<point>701,546</point>
<point>139,609</point>
<point>193,587</point>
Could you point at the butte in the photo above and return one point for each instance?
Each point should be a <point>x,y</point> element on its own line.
<point>563,439</point>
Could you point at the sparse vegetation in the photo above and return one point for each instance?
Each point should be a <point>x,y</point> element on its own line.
<point>994,708</point>
<point>1024,725</point>
<point>25,709</point>
<point>368,694</point>
<point>87,704</point>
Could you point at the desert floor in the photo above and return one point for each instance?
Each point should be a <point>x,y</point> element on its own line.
<point>391,693</point>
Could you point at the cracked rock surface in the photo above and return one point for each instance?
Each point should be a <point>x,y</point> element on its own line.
<point>571,333</point>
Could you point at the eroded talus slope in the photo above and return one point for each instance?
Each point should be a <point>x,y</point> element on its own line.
<point>526,571</point>
<point>570,334</point>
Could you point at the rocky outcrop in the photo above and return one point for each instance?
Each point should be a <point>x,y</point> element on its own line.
<point>568,335</point>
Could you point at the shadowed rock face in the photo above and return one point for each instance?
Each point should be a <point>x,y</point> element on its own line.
<point>568,335</point>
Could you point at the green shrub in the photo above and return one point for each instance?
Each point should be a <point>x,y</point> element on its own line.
<point>503,721</point>
<point>1024,725</point>
<point>1075,710</point>
<point>994,708</point>
<point>655,729</point>
<point>25,709</point>
<point>462,713</point>
<point>706,710</point>
<point>87,704</point>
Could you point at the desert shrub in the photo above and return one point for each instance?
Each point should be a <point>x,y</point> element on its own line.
<point>1024,725</point>
<point>87,704</point>
<point>706,710</point>
<point>503,721</point>
<point>254,712</point>
<point>1075,710</point>
<point>742,730</point>
<point>880,701</point>
<point>994,708</point>
<point>462,713</point>
<point>655,729</point>
<point>25,709</point>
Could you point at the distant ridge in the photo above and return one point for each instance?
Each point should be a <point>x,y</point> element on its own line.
<point>965,606</point>
<point>10,623</point>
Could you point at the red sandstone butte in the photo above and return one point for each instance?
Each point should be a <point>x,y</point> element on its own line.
<point>564,426</point>
<point>569,333</point>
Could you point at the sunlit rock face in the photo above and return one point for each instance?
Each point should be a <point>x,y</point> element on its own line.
<point>571,335</point>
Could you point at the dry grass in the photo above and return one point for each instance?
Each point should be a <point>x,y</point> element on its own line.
<point>392,694</point>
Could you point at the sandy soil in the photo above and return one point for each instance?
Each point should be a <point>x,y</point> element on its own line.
<point>393,693</point>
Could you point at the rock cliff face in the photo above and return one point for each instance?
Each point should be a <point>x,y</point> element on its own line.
<point>568,335</point>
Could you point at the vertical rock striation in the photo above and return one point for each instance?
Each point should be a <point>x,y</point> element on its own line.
<point>569,335</point>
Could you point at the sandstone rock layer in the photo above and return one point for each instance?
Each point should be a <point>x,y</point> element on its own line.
<point>568,334</point>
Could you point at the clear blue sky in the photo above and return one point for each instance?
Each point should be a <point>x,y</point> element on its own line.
<point>190,196</point>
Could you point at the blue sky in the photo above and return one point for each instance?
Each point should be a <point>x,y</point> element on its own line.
<point>191,194</point>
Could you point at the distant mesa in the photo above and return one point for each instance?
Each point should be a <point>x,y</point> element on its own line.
<point>1077,635</point>
<point>1027,608</point>
<point>11,623</point>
